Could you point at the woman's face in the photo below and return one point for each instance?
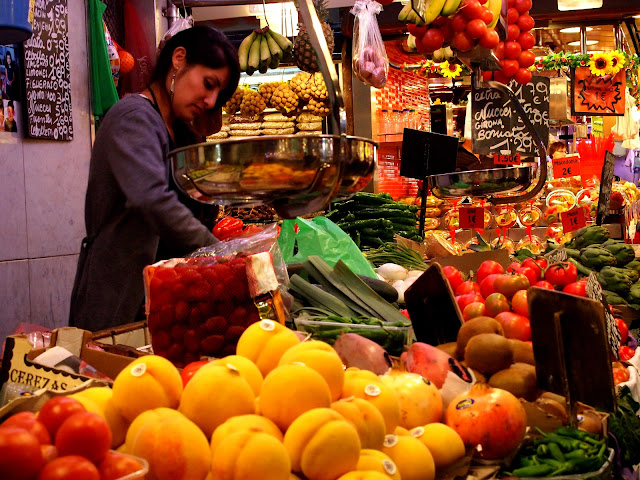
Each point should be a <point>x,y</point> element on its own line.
<point>8,58</point>
<point>560,153</point>
<point>196,89</point>
<point>10,112</point>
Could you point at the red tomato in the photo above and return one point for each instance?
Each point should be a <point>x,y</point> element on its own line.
<point>472,9</point>
<point>499,51</point>
<point>496,303</point>
<point>522,6</point>
<point>467,287</point>
<point>523,76</point>
<point>526,40</point>
<point>476,28</point>
<point>626,353</point>
<point>487,15</point>
<point>512,50</point>
<point>526,23</point>
<point>49,453</point>
<point>526,59</point>
<point>490,39</point>
<point>86,434</point>
<point>458,23</point>
<point>486,286</point>
<point>620,375</point>
<point>31,424</point>
<point>20,456</point>
<point>447,32</point>
<point>512,16</point>
<point>513,31</point>
<point>530,273</point>
<point>536,265</point>
<point>519,303</point>
<point>415,30</point>
<point>433,39</point>
<point>488,267</point>
<point>466,299</point>
<point>462,41</point>
<point>561,273</point>
<point>116,465</point>
<point>486,75</point>
<point>576,288</point>
<point>544,284</point>
<point>440,21</point>
<point>453,275</point>
<point>623,328</point>
<point>70,467</point>
<point>515,326</point>
<point>384,2</point>
<point>473,310</point>
<point>513,266</point>
<point>499,76</point>
<point>56,410</point>
<point>189,370</point>
<point>508,284</point>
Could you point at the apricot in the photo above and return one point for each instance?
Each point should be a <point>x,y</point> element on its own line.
<point>366,418</point>
<point>241,423</point>
<point>247,369</point>
<point>443,442</point>
<point>149,416</point>
<point>264,342</point>
<point>146,383</point>
<point>412,458</point>
<point>367,475</point>
<point>377,461</point>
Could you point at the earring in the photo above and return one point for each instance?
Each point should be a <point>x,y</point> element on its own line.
<point>173,84</point>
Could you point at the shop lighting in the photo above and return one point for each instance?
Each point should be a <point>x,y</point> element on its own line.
<point>577,43</point>
<point>574,30</point>
<point>564,5</point>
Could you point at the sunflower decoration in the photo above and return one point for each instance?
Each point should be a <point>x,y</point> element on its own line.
<point>450,70</point>
<point>600,63</point>
<point>617,61</point>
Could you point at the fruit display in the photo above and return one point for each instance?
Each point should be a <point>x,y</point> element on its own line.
<point>304,55</point>
<point>263,49</point>
<point>252,104</point>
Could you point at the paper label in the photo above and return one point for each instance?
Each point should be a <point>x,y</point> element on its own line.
<point>507,159</point>
<point>471,217</point>
<point>267,325</point>
<point>372,390</point>
<point>390,440</point>
<point>139,369</point>
<point>573,220</point>
<point>417,432</point>
<point>568,166</point>
<point>557,255</point>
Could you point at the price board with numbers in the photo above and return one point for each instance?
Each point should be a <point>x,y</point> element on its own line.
<point>471,217</point>
<point>573,220</point>
<point>507,159</point>
<point>568,166</point>
<point>47,73</point>
<point>594,291</point>
<point>606,184</point>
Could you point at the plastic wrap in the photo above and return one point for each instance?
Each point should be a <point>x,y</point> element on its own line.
<point>370,61</point>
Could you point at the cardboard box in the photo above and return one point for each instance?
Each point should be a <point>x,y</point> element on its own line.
<point>18,365</point>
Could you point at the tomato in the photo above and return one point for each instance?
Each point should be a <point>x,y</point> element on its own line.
<point>510,67</point>
<point>486,286</point>
<point>508,284</point>
<point>69,467</point>
<point>473,310</point>
<point>519,303</point>
<point>472,9</point>
<point>544,284</point>
<point>530,273</point>
<point>433,39</point>
<point>561,274</point>
<point>49,452</point>
<point>466,299</point>
<point>512,50</point>
<point>486,75</point>
<point>490,39</point>
<point>515,326</point>
<point>537,264</point>
<point>462,42</point>
<point>454,276</point>
<point>512,16</point>
<point>467,287</point>
<point>623,328</point>
<point>523,76</point>
<point>499,51</point>
<point>496,303</point>
<point>415,30</point>
<point>626,353</point>
<point>526,59</point>
<point>576,288</point>
<point>522,6</point>
<point>447,32</point>
<point>20,456</point>
<point>458,23</point>
<point>620,375</point>
<point>189,370</point>
<point>499,76</point>
<point>384,2</point>
<point>513,266</point>
<point>56,410</point>
<point>488,267</point>
<point>513,31</point>
<point>526,40</point>
<point>526,23</point>
<point>476,28</point>
<point>487,15</point>
<point>86,434</point>
<point>440,21</point>
<point>116,465</point>
<point>31,424</point>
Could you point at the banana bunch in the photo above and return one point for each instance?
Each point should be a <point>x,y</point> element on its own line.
<point>432,10</point>
<point>263,49</point>
<point>408,15</point>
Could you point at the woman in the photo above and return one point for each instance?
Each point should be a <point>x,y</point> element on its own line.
<point>130,207</point>
<point>11,87</point>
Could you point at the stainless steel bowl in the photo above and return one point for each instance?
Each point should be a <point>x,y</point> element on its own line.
<point>296,174</point>
<point>359,158</point>
<point>479,183</point>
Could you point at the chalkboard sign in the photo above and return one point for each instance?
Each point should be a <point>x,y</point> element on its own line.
<point>606,182</point>
<point>594,292</point>
<point>496,126</point>
<point>427,153</point>
<point>46,65</point>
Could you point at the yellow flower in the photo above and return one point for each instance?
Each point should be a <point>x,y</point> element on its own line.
<point>600,63</point>
<point>450,70</point>
<point>617,62</point>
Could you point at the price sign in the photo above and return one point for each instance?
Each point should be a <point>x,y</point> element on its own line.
<point>568,166</point>
<point>557,255</point>
<point>471,217</point>
<point>594,291</point>
<point>507,159</point>
<point>573,219</point>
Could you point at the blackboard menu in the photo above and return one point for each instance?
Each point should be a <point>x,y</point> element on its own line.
<point>497,127</point>
<point>47,78</point>
<point>606,182</point>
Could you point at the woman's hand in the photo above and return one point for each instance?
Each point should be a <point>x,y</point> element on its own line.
<point>207,123</point>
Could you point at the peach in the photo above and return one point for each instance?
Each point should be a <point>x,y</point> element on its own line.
<point>264,342</point>
<point>247,369</point>
<point>412,458</point>
<point>241,423</point>
<point>366,418</point>
<point>375,460</point>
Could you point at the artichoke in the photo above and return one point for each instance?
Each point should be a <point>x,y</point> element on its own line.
<point>633,265</point>
<point>633,297</point>
<point>632,274</point>
<point>615,281</point>
<point>613,298</point>
<point>623,252</point>
<point>596,257</point>
<point>573,253</point>
<point>588,236</point>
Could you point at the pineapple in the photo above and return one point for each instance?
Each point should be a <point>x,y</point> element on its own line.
<point>304,54</point>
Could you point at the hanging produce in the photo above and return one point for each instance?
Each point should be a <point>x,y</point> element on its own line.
<point>304,55</point>
<point>370,62</point>
<point>263,49</point>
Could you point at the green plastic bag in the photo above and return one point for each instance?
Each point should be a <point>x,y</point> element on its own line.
<point>320,236</point>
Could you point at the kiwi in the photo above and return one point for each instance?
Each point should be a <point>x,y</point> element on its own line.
<point>488,353</point>
<point>521,382</point>
<point>449,348</point>
<point>473,327</point>
<point>522,351</point>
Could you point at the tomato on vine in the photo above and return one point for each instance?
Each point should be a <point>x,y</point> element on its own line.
<point>561,274</point>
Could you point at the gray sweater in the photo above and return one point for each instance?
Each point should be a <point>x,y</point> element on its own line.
<point>129,208</point>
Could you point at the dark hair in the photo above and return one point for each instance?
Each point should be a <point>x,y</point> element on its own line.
<point>555,146</point>
<point>205,46</point>
<point>10,104</point>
